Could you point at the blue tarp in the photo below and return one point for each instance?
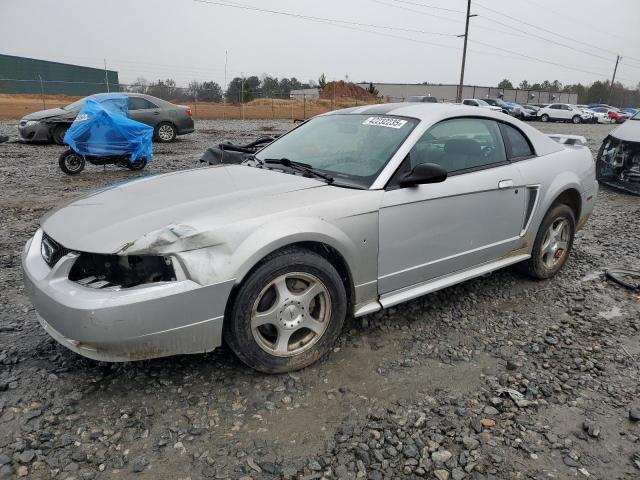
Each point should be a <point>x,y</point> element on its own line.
<point>102,129</point>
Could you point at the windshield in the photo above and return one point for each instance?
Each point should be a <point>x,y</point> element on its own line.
<point>351,148</point>
<point>497,102</point>
<point>636,116</point>
<point>75,106</point>
<point>481,102</point>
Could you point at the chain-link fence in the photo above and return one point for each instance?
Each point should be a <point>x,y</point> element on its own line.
<point>247,104</point>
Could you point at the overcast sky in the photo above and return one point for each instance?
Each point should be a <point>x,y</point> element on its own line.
<point>185,39</point>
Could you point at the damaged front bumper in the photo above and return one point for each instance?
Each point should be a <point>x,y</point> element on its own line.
<point>147,321</point>
<point>34,131</point>
<point>618,164</point>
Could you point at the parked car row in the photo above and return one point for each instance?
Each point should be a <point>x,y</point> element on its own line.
<point>168,120</point>
<point>555,112</point>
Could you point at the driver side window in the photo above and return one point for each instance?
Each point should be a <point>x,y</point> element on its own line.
<point>460,145</point>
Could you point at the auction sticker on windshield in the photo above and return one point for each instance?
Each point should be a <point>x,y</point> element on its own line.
<point>385,122</point>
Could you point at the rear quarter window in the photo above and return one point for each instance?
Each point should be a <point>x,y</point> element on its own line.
<point>518,145</point>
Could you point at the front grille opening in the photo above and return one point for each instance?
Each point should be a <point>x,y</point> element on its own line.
<point>51,250</point>
<point>116,271</point>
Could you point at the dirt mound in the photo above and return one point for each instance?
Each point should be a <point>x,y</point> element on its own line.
<point>344,89</point>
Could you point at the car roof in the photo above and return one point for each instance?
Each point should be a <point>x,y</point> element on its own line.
<point>131,94</point>
<point>432,113</point>
<point>421,111</point>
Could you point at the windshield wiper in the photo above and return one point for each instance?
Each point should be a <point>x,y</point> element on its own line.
<point>304,168</point>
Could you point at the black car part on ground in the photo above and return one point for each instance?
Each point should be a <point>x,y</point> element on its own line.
<point>618,164</point>
<point>4,138</point>
<point>627,278</point>
<point>227,153</point>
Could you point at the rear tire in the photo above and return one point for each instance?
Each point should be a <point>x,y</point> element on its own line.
<point>553,243</point>
<point>287,313</point>
<point>138,164</point>
<point>71,162</point>
<point>544,118</point>
<point>58,134</point>
<point>165,132</point>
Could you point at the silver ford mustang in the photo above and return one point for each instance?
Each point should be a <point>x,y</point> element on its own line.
<point>352,212</point>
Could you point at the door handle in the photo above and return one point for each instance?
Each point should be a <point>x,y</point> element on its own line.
<point>505,183</point>
<point>156,113</point>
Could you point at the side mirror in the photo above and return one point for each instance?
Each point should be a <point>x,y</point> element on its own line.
<point>424,173</point>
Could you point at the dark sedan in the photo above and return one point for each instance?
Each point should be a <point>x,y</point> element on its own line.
<point>167,119</point>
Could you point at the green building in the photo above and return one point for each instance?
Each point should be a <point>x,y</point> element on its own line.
<point>29,75</point>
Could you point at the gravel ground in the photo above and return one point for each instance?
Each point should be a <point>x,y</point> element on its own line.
<point>416,391</point>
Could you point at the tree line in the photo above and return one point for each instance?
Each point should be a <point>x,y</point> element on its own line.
<point>242,90</point>
<point>597,92</point>
<point>239,90</point>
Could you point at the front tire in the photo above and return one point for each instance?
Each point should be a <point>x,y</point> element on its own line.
<point>553,243</point>
<point>287,313</point>
<point>71,163</point>
<point>58,134</point>
<point>544,118</point>
<point>576,119</point>
<point>166,132</point>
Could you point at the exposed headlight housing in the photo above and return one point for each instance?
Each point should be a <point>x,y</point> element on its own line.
<point>30,123</point>
<point>121,271</point>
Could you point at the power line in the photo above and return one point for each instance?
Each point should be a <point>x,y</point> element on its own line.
<point>509,33</point>
<point>353,25</point>
<point>573,21</point>
<point>446,19</point>
<point>541,60</point>
<point>538,27</point>
<point>322,19</point>
<point>545,39</point>
<point>521,33</point>
<point>426,5</point>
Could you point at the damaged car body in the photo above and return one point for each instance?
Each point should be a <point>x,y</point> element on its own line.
<point>353,211</point>
<point>618,160</point>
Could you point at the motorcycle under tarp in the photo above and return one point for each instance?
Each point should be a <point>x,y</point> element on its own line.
<point>102,133</point>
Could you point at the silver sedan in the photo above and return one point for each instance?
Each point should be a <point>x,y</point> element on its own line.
<point>352,212</point>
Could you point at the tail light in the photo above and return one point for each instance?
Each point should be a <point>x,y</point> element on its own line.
<point>188,112</point>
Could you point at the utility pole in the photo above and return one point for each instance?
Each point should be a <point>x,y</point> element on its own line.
<point>44,107</point>
<point>106,77</point>
<point>464,50</point>
<point>226,87</point>
<point>613,79</point>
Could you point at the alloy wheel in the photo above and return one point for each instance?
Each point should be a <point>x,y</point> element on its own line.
<point>555,243</point>
<point>165,132</point>
<point>291,314</point>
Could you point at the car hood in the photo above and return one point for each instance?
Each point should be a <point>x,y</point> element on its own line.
<point>628,131</point>
<point>130,216</point>
<point>51,112</point>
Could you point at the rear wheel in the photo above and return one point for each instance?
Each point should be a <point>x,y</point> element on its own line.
<point>165,132</point>
<point>71,162</point>
<point>58,134</point>
<point>544,118</point>
<point>288,313</point>
<point>553,243</point>
<point>137,165</point>
<point>576,119</point>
